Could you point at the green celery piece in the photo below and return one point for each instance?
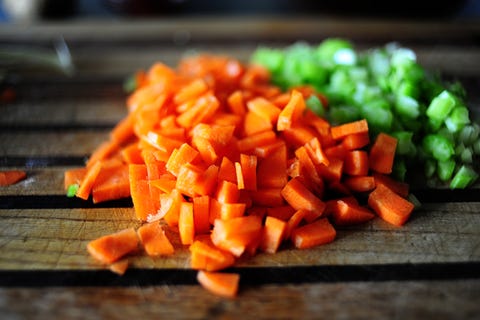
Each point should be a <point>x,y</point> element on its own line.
<point>343,113</point>
<point>405,145</point>
<point>458,119</point>
<point>130,83</point>
<point>469,134</point>
<point>445,169</point>
<point>440,147</point>
<point>441,106</point>
<point>72,190</point>
<point>464,177</point>
<point>272,59</point>
<point>378,115</point>
<point>467,155</point>
<point>430,167</point>
<point>399,170</point>
<point>409,89</point>
<point>403,57</point>
<point>476,147</point>
<point>407,106</point>
<point>314,104</point>
<point>326,51</point>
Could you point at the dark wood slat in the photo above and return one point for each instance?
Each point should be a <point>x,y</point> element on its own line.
<point>362,300</point>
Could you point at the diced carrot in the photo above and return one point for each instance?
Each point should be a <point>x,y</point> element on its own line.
<point>294,222</point>
<point>253,123</point>
<point>332,172</point>
<point>227,192</point>
<point>300,198</point>
<point>313,234</point>
<point>349,213</point>
<point>264,109</point>
<point>205,256</point>
<point>161,142</point>
<point>132,154</point>
<point>316,153</point>
<point>206,149</point>
<point>123,131</point>
<point>119,267</point>
<point>356,163</point>
<point>382,153</point>
<point>86,186</point>
<point>309,172</point>
<point>140,191</point>
<point>256,140</point>
<point>291,112</point>
<point>239,174</point>
<point>225,211</point>
<point>10,177</point>
<point>355,127</point>
<point>356,141</point>
<point>273,234</point>
<point>201,214</point>
<point>185,154</point>
<point>400,188</point>
<point>248,164</point>
<point>360,183</point>
<point>111,183</point>
<point>165,183</point>
<point>108,249</point>
<point>191,91</point>
<point>186,226</point>
<point>268,197</point>
<point>236,103</point>
<point>221,284</point>
<point>227,170</point>
<point>154,240</point>
<point>102,152</point>
<point>272,170</point>
<point>390,206</point>
<point>170,204</point>
<point>298,135</point>
<point>266,150</point>
<point>71,176</point>
<point>284,212</point>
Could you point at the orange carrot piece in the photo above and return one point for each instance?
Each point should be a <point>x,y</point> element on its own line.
<point>188,177</point>
<point>202,110</point>
<point>239,174</point>
<point>294,222</point>
<point>316,153</point>
<point>154,240</point>
<point>10,177</point>
<point>111,184</point>
<point>123,130</point>
<point>186,226</point>
<point>400,188</point>
<point>349,213</point>
<point>291,112</point>
<point>360,183</point>
<point>284,212</point>
<point>132,154</point>
<point>355,127</point>
<point>140,191</point>
<point>207,181</point>
<point>382,153</point>
<point>356,163</point>
<point>201,214</point>
<point>206,149</point>
<point>119,267</point>
<point>390,206</point>
<point>165,183</point>
<point>236,234</point>
<point>253,123</point>
<point>205,256</point>
<point>336,151</point>
<point>256,140</point>
<point>332,172</point>
<point>179,157</point>
<point>218,135</point>
<point>225,211</point>
<point>102,152</point>
<point>110,248</point>
<point>86,186</point>
<point>268,197</point>
<point>227,192</point>
<point>227,170</point>
<point>220,284</point>
<point>236,103</point>
<point>300,198</point>
<point>266,150</point>
<point>298,135</point>
<point>309,171</point>
<point>248,164</point>
<point>161,142</point>
<point>191,91</point>
<point>264,109</point>
<point>316,233</point>
<point>170,204</point>
<point>272,170</point>
<point>273,234</point>
<point>71,176</point>
<point>356,141</point>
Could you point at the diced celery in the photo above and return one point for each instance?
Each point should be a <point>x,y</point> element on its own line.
<point>344,113</point>
<point>325,52</point>
<point>272,59</point>
<point>430,168</point>
<point>458,118</point>
<point>405,145</point>
<point>467,155</point>
<point>445,169</point>
<point>399,169</point>
<point>314,104</point>
<point>403,56</point>
<point>464,177</point>
<point>72,190</point>
<point>407,106</point>
<point>438,146</point>
<point>469,134</point>
<point>441,106</point>
<point>345,57</point>
<point>378,115</point>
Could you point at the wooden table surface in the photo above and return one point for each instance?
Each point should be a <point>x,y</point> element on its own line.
<point>430,268</point>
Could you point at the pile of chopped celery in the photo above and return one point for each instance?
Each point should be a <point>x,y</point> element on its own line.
<point>396,95</point>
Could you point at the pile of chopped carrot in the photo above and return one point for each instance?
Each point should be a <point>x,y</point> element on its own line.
<point>215,151</point>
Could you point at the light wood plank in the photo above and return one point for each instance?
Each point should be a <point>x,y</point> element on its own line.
<point>56,239</point>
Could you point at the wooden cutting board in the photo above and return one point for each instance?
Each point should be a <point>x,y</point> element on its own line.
<point>428,268</point>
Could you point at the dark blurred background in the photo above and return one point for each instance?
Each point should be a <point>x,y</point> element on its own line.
<point>30,10</point>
